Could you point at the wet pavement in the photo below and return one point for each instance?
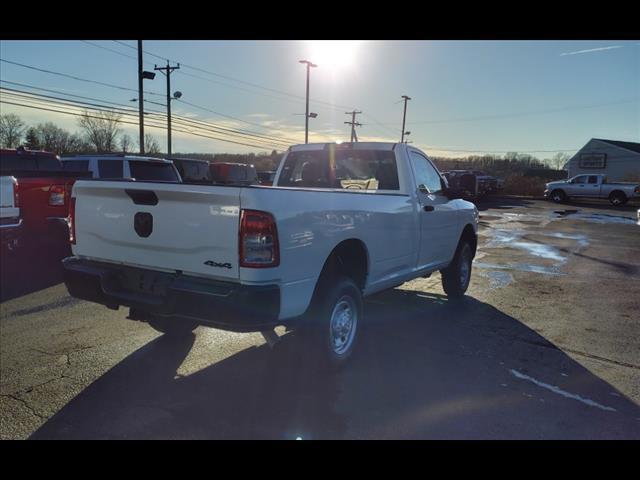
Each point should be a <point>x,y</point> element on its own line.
<point>546,345</point>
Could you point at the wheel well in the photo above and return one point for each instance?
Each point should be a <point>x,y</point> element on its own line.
<point>469,234</point>
<point>349,258</point>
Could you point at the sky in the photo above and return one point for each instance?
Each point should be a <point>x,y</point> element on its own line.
<point>467,97</point>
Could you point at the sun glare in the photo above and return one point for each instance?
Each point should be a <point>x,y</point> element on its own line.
<point>334,54</point>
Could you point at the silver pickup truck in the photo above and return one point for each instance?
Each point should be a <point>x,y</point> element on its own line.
<point>591,186</point>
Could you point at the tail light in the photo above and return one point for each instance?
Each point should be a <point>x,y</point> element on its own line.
<point>258,240</point>
<point>16,194</point>
<point>56,195</point>
<point>72,220</point>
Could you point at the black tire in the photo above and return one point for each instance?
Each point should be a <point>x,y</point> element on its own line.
<point>558,196</point>
<point>456,277</point>
<point>174,327</point>
<point>617,198</point>
<point>322,332</point>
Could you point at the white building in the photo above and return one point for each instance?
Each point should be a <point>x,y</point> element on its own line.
<point>619,161</point>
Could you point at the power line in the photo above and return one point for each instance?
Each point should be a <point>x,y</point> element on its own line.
<point>131,123</point>
<point>233,79</point>
<point>127,109</point>
<point>76,78</point>
<point>131,113</point>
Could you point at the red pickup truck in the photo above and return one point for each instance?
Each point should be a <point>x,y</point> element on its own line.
<point>42,189</point>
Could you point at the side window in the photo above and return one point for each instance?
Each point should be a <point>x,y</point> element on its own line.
<point>76,165</point>
<point>593,179</point>
<point>580,179</point>
<point>425,173</point>
<point>110,168</point>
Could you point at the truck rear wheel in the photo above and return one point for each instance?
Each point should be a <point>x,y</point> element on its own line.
<point>333,322</point>
<point>617,199</point>
<point>456,277</point>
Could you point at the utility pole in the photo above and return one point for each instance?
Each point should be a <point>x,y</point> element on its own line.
<point>404,116</point>
<point>140,98</point>
<point>306,115</point>
<point>166,71</point>
<point>353,124</point>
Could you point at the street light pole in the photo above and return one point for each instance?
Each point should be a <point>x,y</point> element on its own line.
<point>404,116</point>
<point>168,69</point>
<point>306,115</point>
<point>140,98</point>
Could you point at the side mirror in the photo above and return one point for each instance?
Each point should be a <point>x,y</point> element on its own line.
<point>423,189</point>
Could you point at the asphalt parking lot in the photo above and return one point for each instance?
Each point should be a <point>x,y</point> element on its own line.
<point>545,346</point>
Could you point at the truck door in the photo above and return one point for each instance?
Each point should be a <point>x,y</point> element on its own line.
<point>593,186</point>
<point>578,186</point>
<point>438,217</point>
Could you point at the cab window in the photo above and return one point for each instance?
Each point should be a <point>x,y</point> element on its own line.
<point>110,168</point>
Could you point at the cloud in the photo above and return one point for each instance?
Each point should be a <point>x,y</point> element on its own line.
<point>600,49</point>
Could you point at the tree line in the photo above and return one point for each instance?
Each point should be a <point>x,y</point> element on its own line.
<point>98,133</point>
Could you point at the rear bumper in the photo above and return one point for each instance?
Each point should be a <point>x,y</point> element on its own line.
<point>10,229</point>
<point>223,305</point>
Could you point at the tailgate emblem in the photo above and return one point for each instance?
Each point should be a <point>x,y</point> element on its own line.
<point>211,263</point>
<point>143,224</point>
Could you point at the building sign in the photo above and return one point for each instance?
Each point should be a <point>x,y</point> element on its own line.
<point>593,160</point>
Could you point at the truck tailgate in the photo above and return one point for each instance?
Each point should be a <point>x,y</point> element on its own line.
<point>172,227</point>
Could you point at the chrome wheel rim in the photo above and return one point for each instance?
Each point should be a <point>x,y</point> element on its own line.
<point>344,319</point>
<point>616,201</point>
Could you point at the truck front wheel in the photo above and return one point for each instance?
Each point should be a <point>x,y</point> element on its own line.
<point>334,321</point>
<point>456,277</point>
<point>558,196</point>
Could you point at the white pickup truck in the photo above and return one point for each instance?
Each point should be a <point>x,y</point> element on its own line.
<point>591,186</point>
<point>342,221</point>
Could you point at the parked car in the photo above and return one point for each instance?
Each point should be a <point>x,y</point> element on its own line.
<point>192,170</point>
<point>41,191</point>
<point>591,186</point>
<point>301,254</point>
<point>10,219</point>
<point>227,173</point>
<point>475,183</point>
<point>119,166</point>
<point>266,177</point>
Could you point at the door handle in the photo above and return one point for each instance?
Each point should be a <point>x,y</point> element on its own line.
<point>428,208</point>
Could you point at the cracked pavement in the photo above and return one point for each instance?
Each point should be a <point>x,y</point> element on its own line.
<point>553,297</point>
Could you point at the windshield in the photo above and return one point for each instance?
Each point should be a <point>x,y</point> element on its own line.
<point>153,171</point>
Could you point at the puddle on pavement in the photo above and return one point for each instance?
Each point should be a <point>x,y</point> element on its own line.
<point>497,279</point>
<point>522,267</point>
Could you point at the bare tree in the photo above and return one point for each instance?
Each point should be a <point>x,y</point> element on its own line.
<point>151,145</point>
<point>125,143</point>
<point>559,159</point>
<point>11,130</point>
<point>101,129</point>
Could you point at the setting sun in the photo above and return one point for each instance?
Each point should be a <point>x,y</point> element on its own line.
<point>334,54</point>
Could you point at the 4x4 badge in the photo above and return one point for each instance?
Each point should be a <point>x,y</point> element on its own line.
<point>211,263</point>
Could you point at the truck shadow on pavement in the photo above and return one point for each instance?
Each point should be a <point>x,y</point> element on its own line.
<point>425,368</point>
